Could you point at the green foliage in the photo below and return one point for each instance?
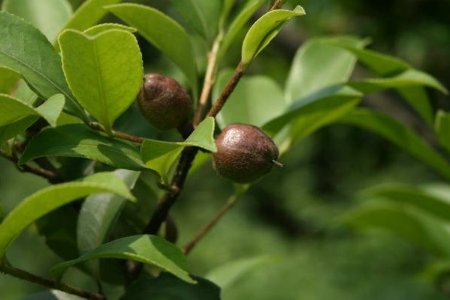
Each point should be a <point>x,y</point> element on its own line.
<point>89,14</point>
<point>245,13</point>
<point>163,32</point>
<point>408,223</point>
<point>442,128</point>
<point>202,15</point>
<point>57,13</point>
<point>400,135</point>
<point>9,80</point>
<point>255,101</point>
<point>418,197</point>
<point>49,199</point>
<point>13,110</point>
<point>96,71</point>
<point>40,68</point>
<point>98,216</point>
<point>264,30</point>
<point>230,273</point>
<point>305,77</point>
<point>96,68</point>
<point>78,140</point>
<point>160,156</point>
<point>142,248</point>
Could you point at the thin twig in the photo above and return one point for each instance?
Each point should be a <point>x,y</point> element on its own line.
<point>24,275</point>
<point>169,198</point>
<point>229,88</point>
<point>47,174</point>
<point>211,223</point>
<point>118,134</point>
<point>210,78</point>
<point>277,4</point>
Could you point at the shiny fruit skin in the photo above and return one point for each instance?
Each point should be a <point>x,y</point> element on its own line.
<point>244,153</point>
<point>164,102</point>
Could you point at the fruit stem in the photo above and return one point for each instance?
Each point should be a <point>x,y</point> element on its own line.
<point>277,163</point>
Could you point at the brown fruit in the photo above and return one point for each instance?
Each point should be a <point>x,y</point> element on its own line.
<point>244,153</point>
<point>164,102</point>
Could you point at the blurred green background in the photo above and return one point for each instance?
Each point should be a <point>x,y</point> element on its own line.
<point>293,211</point>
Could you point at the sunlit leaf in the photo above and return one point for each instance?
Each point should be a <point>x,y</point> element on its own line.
<point>89,14</point>
<point>315,111</point>
<point>104,71</point>
<point>13,110</point>
<point>250,7</point>
<point>49,16</point>
<point>163,32</point>
<point>264,30</point>
<point>319,64</point>
<point>256,100</point>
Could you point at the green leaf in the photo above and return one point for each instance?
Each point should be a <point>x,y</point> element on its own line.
<point>49,16</point>
<point>168,287</point>
<point>146,249</point>
<point>52,108</point>
<point>9,131</point>
<point>97,29</point>
<point>98,215</point>
<point>256,100</point>
<point>230,273</point>
<point>53,197</point>
<point>24,93</point>
<point>8,81</point>
<point>96,69</point>
<point>400,135</point>
<point>28,52</point>
<point>238,24</point>
<point>397,74</point>
<point>78,140</point>
<point>410,195</point>
<point>417,97</point>
<point>89,14</point>
<point>264,30</point>
<point>160,156</point>
<point>408,78</point>
<point>381,64</point>
<point>202,15</point>
<point>315,111</point>
<point>164,33</point>
<point>319,64</point>
<point>227,7</point>
<point>442,129</point>
<point>13,110</point>
<point>405,222</point>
